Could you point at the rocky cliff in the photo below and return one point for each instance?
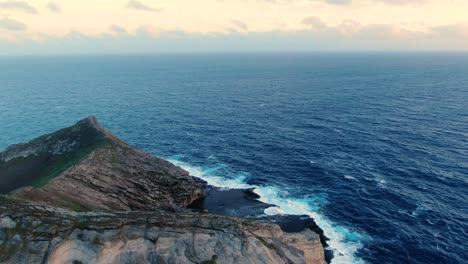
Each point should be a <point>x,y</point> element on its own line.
<point>81,195</point>
<point>40,234</point>
<point>85,167</point>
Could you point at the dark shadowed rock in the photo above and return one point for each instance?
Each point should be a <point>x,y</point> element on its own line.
<point>230,202</point>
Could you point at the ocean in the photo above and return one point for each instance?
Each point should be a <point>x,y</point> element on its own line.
<point>374,146</point>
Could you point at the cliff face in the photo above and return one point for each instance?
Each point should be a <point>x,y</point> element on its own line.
<point>85,167</point>
<point>42,234</point>
<point>81,195</point>
<point>36,162</point>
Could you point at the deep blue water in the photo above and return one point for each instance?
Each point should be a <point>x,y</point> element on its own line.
<point>373,145</point>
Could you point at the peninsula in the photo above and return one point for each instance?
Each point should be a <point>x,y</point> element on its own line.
<point>82,195</point>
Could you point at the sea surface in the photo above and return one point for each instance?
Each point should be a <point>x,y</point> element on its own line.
<point>373,146</point>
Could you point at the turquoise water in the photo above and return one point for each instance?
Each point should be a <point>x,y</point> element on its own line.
<point>373,146</point>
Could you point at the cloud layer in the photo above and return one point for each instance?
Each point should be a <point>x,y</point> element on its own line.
<point>135,4</point>
<point>12,25</point>
<point>54,7</point>
<point>19,6</point>
<point>232,25</point>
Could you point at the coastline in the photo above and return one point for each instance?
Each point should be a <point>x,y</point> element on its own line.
<point>102,200</point>
<point>337,245</point>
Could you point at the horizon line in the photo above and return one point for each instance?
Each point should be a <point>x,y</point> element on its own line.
<point>253,52</point>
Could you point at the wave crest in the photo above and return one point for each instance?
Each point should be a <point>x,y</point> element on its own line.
<point>343,242</point>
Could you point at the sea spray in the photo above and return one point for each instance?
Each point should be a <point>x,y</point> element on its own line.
<point>343,242</point>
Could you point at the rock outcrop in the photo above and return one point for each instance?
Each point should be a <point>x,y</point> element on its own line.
<point>41,234</point>
<point>81,195</point>
<point>85,167</point>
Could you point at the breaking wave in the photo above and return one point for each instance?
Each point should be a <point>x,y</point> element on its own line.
<point>343,242</point>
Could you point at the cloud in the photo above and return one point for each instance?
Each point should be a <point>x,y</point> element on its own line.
<point>148,31</point>
<point>339,2</point>
<point>118,29</point>
<point>402,2</point>
<point>239,24</point>
<point>333,2</point>
<point>387,32</point>
<point>457,30</point>
<point>349,27</point>
<point>54,7</point>
<point>148,39</point>
<point>12,25</point>
<point>348,2</point>
<point>135,4</point>
<point>389,2</point>
<point>314,23</point>
<point>18,6</point>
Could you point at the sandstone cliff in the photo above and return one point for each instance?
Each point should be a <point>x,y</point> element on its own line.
<point>40,234</point>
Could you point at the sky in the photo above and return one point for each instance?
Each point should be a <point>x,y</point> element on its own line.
<point>163,26</point>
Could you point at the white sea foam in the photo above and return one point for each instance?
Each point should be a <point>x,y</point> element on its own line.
<point>349,177</point>
<point>343,242</point>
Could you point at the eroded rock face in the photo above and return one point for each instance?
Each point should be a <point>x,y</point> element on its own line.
<point>85,167</point>
<point>81,195</point>
<point>42,234</point>
<point>43,158</point>
<point>116,177</point>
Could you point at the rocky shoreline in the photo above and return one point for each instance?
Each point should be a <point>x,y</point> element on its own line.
<point>81,195</point>
<point>244,203</point>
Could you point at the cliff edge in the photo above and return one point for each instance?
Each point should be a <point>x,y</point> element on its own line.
<point>85,167</point>
<point>41,234</point>
<point>81,195</point>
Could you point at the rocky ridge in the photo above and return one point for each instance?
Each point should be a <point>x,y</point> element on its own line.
<point>85,167</point>
<point>81,195</point>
